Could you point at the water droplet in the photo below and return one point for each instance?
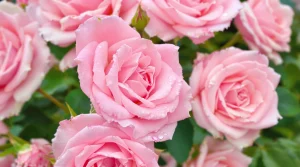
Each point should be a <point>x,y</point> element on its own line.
<point>160,137</point>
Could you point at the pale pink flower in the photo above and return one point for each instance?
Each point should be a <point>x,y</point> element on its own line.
<point>88,140</point>
<point>197,20</point>
<point>130,80</point>
<point>234,94</point>
<point>59,18</point>
<point>217,153</point>
<point>24,58</point>
<point>266,26</point>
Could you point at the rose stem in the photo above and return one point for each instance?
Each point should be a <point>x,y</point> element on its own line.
<point>53,100</point>
<point>237,36</point>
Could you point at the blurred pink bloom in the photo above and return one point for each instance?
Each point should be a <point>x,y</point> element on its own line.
<point>217,153</point>
<point>24,59</point>
<point>37,155</point>
<point>266,26</point>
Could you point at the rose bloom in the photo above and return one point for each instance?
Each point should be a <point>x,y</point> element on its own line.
<point>234,94</point>
<point>266,26</point>
<point>88,140</point>
<point>197,20</point>
<point>130,80</point>
<point>8,160</point>
<point>217,153</point>
<point>59,18</point>
<point>37,155</point>
<point>24,59</point>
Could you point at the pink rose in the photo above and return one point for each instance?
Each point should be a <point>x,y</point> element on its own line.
<point>59,18</point>
<point>37,155</point>
<point>197,20</point>
<point>88,140</point>
<point>8,160</point>
<point>24,59</point>
<point>234,94</point>
<point>130,80</point>
<point>216,153</point>
<point>266,26</point>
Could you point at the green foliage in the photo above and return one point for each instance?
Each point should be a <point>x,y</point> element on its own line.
<point>288,104</point>
<point>78,101</point>
<point>182,141</point>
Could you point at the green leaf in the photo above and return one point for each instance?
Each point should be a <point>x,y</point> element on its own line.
<point>72,112</point>
<point>288,2</point>
<point>268,160</point>
<point>199,133</point>
<point>291,75</point>
<point>284,131</point>
<point>181,144</point>
<point>78,101</point>
<point>59,52</point>
<point>16,129</point>
<point>16,141</point>
<point>278,157</point>
<point>55,81</point>
<point>284,152</point>
<point>8,151</point>
<point>288,105</point>
<point>257,159</point>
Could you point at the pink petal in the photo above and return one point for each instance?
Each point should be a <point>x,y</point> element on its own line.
<point>68,61</point>
<point>106,29</point>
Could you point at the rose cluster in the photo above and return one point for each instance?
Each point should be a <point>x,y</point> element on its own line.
<point>136,86</point>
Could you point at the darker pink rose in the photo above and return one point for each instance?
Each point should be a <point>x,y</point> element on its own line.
<point>217,153</point>
<point>88,140</point>
<point>197,20</point>
<point>37,155</point>
<point>24,59</point>
<point>59,18</point>
<point>266,26</point>
<point>131,81</point>
<point>234,94</point>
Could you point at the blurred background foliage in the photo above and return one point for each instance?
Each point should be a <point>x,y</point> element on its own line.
<point>277,147</point>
